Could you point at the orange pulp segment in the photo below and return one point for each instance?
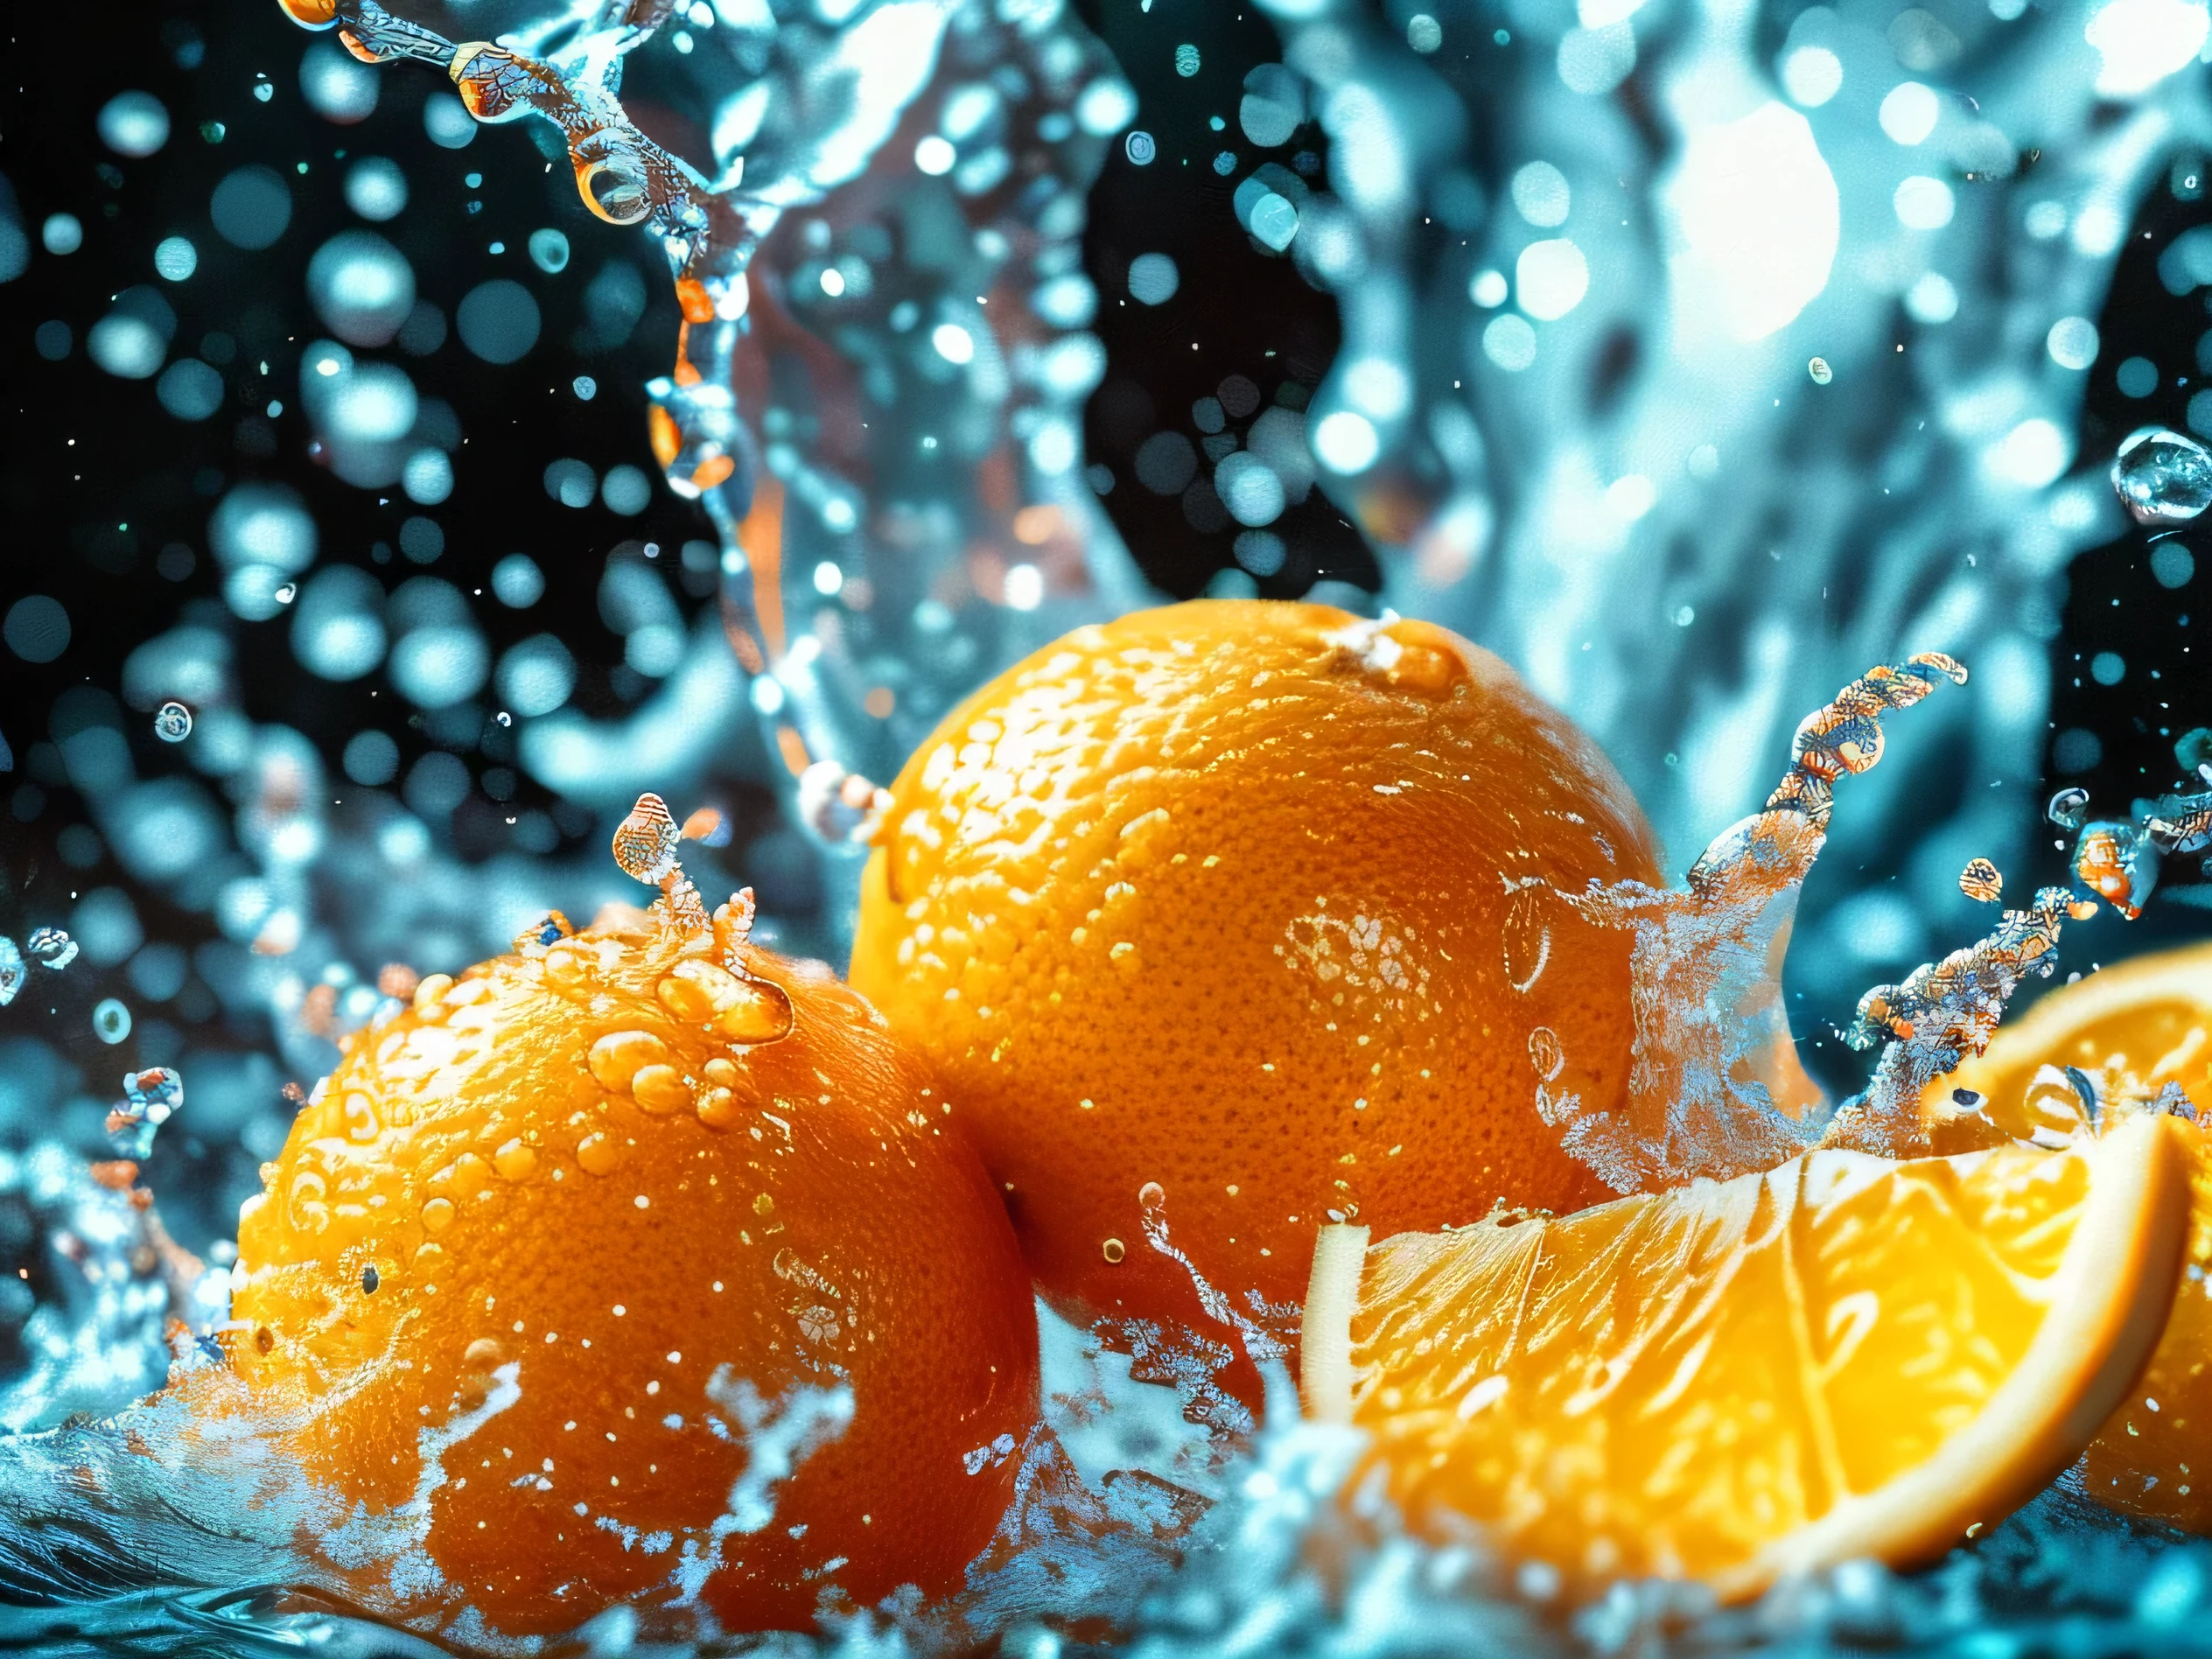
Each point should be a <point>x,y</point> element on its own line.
<point>1847,1356</point>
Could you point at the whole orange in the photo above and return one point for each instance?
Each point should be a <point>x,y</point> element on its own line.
<point>641,1265</point>
<point>1231,898</point>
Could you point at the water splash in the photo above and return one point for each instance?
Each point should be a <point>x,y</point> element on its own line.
<point>2162,477</point>
<point>1714,1087</point>
<point>2119,859</point>
<point>53,946</point>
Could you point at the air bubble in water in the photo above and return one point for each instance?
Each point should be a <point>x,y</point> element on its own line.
<point>1819,370</point>
<point>173,723</point>
<point>12,970</point>
<point>111,1021</point>
<point>2162,476</point>
<point>2067,807</point>
<point>53,947</point>
<point>1139,148</point>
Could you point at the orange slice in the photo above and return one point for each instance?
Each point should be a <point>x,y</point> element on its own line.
<point>2133,1034</point>
<point>1734,1382</point>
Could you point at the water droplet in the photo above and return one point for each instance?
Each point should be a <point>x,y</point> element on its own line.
<point>13,970</point>
<point>644,841</point>
<point>515,1160</point>
<point>1982,882</point>
<point>1546,1053</point>
<point>1139,148</point>
<point>1152,1194</point>
<point>659,1091</point>
<point>619,1055</point>
<point>438,1214</point>
<point>2162,476</point>
<point>762,1014</point>
<point>53,947</point>
<point>717,1108</point>
<point>173,723</point>
<point>1819,370</point>
<point>1527,940</point>
<point>1113,1250</point>
<point>2067,807</point>
<point>598,1153</point>
<point>111,1021</point>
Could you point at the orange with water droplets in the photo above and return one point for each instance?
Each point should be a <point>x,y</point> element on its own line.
<point>2138,1039</point>
<point>1735,1381</point>
<point>641,1262</point>
<point>1227,897</point>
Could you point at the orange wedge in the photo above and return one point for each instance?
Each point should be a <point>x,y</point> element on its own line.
<point>2133,1034</point>
<point>1734,1381</point>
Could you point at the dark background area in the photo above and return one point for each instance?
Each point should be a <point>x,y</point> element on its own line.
<point>104,497</point>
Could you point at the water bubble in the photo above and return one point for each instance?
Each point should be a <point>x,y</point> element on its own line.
<point>626,490</point>
<point>2171,564</point>
<point>585,388</point>
<point>2072,342</point>
<point>1113,1250</point>
<point>62,233</point>
<point>36,628</point>
<point>536,676</point>
<point>110,1021</point>
<point>13,970</point>
<point>371,758</point>
<point>1186,60</point>
<point>517,582</point>
<point>1153,279</point>
<point>1423,33</point>
<point>447,121</point>
<point>134,123</point>
<point>548,250</point>
<point>376,189</point>
<point>936,156</point>
<point>338,86</point>
<point>266,524</point>
<point>53,946</point>
<point>130,341</point>
<point>1820,372</point>
<point>54,340</point>
<point>1812,75</point>
<point>1540,195</point>
<point>572,483</point>
<point>2136,377</point>
<point>362,286</point>
<point>172,723</point>
<point>175,258</point>
<point>251,208</point>
<point>1273,106</point>
<point>189,390</point>
<point>499,320</point>
<point>1139,148</point>
<point>1510,342</point>
<point>2162,476</point>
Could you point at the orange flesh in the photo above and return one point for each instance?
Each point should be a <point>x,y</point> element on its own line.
<point>604,1229</point>
<point>1845,1357</point>
<point>1216,897</point>
<point>2134,1031</point>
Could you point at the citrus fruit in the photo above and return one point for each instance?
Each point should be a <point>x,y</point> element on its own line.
<point>1230,902</point>
<point>638,1265</point>
<point>1846,1356</point>
<point>2139,1036</point>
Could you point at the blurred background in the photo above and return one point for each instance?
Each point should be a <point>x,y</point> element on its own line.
<point>328,419</point>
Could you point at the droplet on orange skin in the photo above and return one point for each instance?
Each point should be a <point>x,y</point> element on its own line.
<point>570,1230</point>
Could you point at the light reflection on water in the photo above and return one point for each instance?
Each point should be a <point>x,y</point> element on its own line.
<point>1711,397</point>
